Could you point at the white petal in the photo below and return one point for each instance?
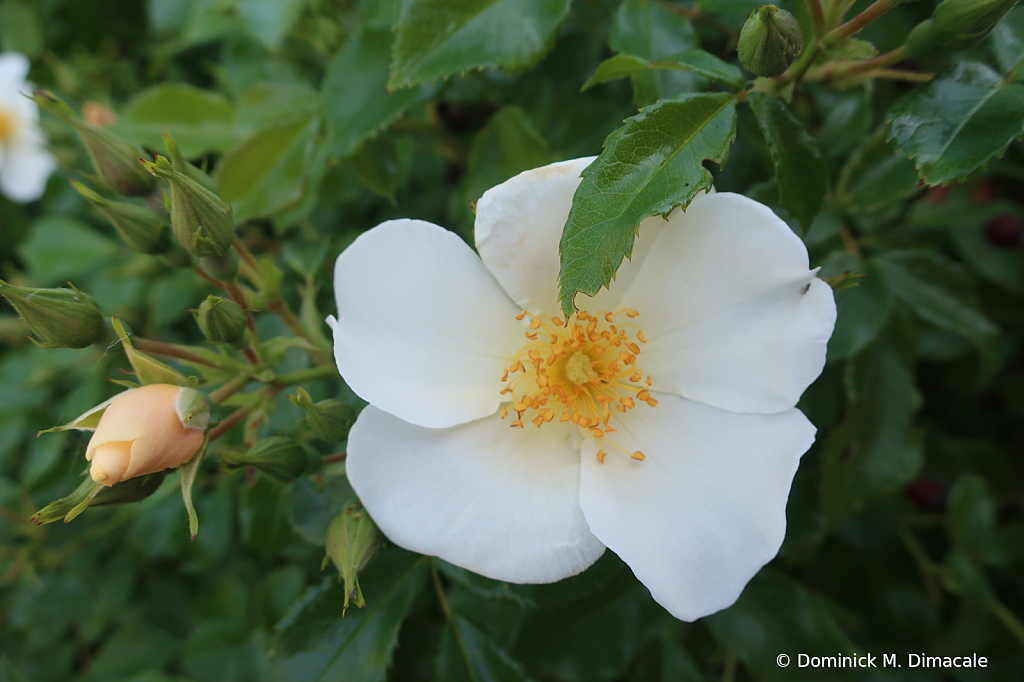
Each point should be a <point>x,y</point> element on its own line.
<point>707,508</point>
<point>423,330</point>
<point>498,501</point>
<point>733,316</point>
<point>25,168</point>
<point>518,226</point>
<point>13,70</point>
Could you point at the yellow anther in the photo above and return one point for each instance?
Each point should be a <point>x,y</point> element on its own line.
<point>639,456</point>
<point>521,316</point>
<point>535,323</point>
<point>640,336</point>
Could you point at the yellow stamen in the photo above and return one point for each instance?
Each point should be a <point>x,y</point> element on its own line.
<point>583,371</point>
<point>6,127</point>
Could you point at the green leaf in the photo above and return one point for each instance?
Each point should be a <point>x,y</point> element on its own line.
<point>876,178</point>
<point>467,654</point>
<point>1008,43</point>
<point>649,166</point>
<point>508,145</point>
<point>313,504</point>
<point>652,31</point>
<point>777,615</point>
<point>269,172</point>
<point>875,451</point>
<point>697,61</point>
<point>938,290</point>
<point>20,28</point>
<point>800,169</point>
<point>1003,266</point>
<point>61,248</point>
<point>199,120</point>
<point>971,519</point>
<point>189,470</point>
<point>315,644</point>
<point>956,124</point>
<point>593,640</point>
<point>861,310</point>
<point>357,103</point>
<point>440,38</point>
<point>376,165</point>
<point>270,20</point>
<point>269,105</point>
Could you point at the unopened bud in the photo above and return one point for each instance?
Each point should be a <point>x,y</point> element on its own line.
<point>145,430</point>
<point>143,230</point>
<point>280,457</point>
<point>93,494</point>
<point>201,220</point>
<point>352,540</point>
<point>148,369</point>
<point>59,318</point>
<point>960,24</point>
<point>329,420</point>
<point>221,320</point>
<point>180,164</point>
<point>115,159</point>
<point>770,41</point>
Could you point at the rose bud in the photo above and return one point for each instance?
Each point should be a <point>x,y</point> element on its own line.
<point>770,41</point>
<point>115,159</point>
<point>145,430</point>
<point>59,318</point>
<point>143,230</point>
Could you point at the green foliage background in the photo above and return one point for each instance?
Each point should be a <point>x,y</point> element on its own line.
<point>319,119</point>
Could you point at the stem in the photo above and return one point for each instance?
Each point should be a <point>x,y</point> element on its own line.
<point>817,17</point>
<point>246,255</point>
<point>305,375</point>
<point>694,14</point>
<point>293,323</point>
<point>882,60</point>
<point>898,75</point>
<point>231,421</point>
<point>442,596</point>
<point>170,350</point>
<point>229,389</point>
<point>1007,618</point>
<point>337,457</point>
<point>238,296</point>
<point>877,9</point>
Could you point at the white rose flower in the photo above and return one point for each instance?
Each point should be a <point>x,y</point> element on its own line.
<point>25,163</point>
<point>659,422</point>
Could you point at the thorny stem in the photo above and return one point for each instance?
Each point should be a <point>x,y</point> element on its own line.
<point>231,421</point>
<point>305,375</point>
<point>171,350</point>
<point>229,389</point>
<point>817,17</point>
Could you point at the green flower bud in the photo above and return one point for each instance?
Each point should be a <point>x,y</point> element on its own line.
<point>770,41</point>
<point>352,540</point>
<point>93,494</point>
<point>115,159</point>
<point>222,268</point>
<point>921,39</point>
<point>179,164</point>
<point>221,320</point>
<point>59,318</point>
<point>280,457</point>
<point>960,24</point>
<point>201,220</point>
<point>330,420</point>
<point>143,230</point>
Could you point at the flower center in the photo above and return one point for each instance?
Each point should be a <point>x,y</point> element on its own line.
<point>581,372</point>
<point>6,127</point>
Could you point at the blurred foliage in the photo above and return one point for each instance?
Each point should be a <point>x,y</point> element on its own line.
<point>318,120</point>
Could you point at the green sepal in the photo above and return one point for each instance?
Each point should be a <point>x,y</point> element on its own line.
<point>58,318</point>
<point>189,471</point>
<point>92,494</point>
<point>142,229</point>
<point>149,370</point>
<point>330,420</point>
<point>352,540</point>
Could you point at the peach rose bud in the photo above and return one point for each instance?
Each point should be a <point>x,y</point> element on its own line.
<point>145,430</point>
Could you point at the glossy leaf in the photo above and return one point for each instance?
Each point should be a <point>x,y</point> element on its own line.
<point>649,166</point>
<point>777,615</point>
<point>316,645</point>
<point>652,31</point>
<point>958,123</point>
<point>270,20</point>
<point>697,61</point>
<point>438,38</point>
<point>862,310</point>
<point>357,102</point>
<point>1008,43</point>
<point>800,169</point>
<point>875,450</point>
<point>269,172</point>
<point>467,654</point>
<point>938,290</point>
<point>200,121</point>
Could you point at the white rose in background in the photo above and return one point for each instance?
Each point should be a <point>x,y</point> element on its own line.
<point>659,422</point>
<point>25,163</point>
